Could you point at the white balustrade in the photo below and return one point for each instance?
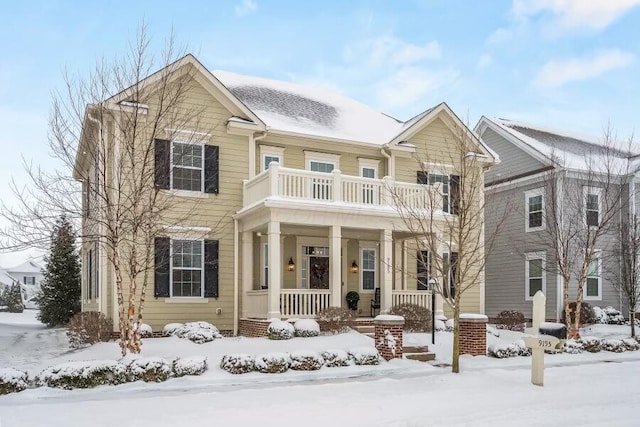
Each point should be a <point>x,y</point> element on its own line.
<point>256,303</point>
<point>421,298</point>
<point>303,302</point>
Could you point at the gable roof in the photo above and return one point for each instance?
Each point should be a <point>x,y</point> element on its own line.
<point>561,148</point>
<point>6,279</point>
<point>26,267</point>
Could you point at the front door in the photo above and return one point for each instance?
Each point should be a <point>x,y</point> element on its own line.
<point>319,272</point>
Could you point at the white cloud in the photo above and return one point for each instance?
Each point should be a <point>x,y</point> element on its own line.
<point>571,14</point>
<point>387,49</point>
<point>246,7</point>
<point>558,73</point>
<point>498,36</point>
<point>484,61</point>
<point>408,85</point>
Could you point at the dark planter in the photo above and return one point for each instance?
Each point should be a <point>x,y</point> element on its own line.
<point>352,300</point>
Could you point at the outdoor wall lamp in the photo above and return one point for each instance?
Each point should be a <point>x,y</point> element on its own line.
<point>354,267</point>
<point>291,265</point>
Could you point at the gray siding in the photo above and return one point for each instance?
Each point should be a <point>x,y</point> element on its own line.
<point>513,160</point>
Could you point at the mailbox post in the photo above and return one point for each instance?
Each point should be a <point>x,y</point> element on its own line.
<point>538,344</point>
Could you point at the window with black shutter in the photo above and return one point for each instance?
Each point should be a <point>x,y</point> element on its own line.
<point>423,268</point>
<point>162,164</point>
<point>162,254</point>
<point>211,268</point>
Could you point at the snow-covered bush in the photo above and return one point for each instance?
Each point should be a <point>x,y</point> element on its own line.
<point>145,330</point>
<point>89,327</point>
<point>416,317</point>
<point>238,363</point>
<point>273,363</point>
<point>614,345</point>
<point>306,361</point>
<point>364,356</point>
<point>198,332</point>
<point>83,374</point>
<point>631,344</point>
<point>441,317</point>
<point>440,325</point>
<point>449,325</point>
<point>573,346</point>
<point>149,369</point>
<point>335,358</point>
<point>170,329</point>
<point>609,316</point>
<point>194,365</point>
<point>493,331</point>
<point>12,380</point>
<point>511,320</point>
<point>280,330</point>
<point>592,344</point>
<point>523,350</point>
<point>306,328</point>
<point>335,319</point>
<point>502,350</point>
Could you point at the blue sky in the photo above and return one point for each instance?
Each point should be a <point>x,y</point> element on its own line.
<point>572,64</point>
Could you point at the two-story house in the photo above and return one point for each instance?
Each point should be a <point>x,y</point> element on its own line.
<point>543,169</point>
<point>292,193</point>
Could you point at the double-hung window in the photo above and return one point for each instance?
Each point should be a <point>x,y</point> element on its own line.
<point>593,288</point>
<point>534,210</point>
<point>535,274</point>
<point>368,267</point>
<point>187,166</point>
<point>592,202</point>
<point>270,154</point>
<point>449,186</point>
<point>187,268</point>
<point>369,169</point>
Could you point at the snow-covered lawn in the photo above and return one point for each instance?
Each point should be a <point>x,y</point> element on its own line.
<point>397,393</point>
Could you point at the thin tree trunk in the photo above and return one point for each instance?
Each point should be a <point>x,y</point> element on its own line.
<point>632,321</point>
<point>455,358</point>
<point>575,330</point>
<point>122,319</point>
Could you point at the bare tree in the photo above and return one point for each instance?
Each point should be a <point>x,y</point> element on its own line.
<point>448,229</point>
<point>105,131</point>
<point>582,207</point>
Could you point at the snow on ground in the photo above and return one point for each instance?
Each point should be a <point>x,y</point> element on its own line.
<point>398,393</point>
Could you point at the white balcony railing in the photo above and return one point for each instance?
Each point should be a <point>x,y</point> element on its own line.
<point>303,302</point>
<point>335,187</point>
<point>421,298</point>
<point>255,303</point>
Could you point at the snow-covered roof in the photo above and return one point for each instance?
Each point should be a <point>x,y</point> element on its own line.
<point>27,267</point>
<point>5,278</point>
<point>572,150</point>
<point>301,109</point>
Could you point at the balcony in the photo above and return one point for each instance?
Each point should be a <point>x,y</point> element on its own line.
<point>336,188</point>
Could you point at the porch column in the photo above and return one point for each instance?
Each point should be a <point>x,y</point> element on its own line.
<point>335,271</point>
<point>247,269</point>
<point>275,270</point>
<point>386,276</point>
<point>439,308</point>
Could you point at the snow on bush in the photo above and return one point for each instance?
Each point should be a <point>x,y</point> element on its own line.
<point>238,363</point>
<point>198,332</point>
<point>631,344</point>
<point>440,325</point>
<point>194,365</point>
<point>502,350</point>
<point>493,331</point>
<point>523,350</point>
<point>511,320</point>
<point>306,328</point>
<point>87,328</point>
<point>592,344</point>
<point>83,374</point>
<point>273,363</point>
<point>449,325</point>
<point>306,361</point>
<point>609,316</point>
<point>335,358</point>
<point>12,380</point>
<point>614,345</point>
<point>364,356</point>
<point>336,319</point>
<point>145,330</point>
<point>280,330</point>
<point>149,369</point>
<point>572,346</point>
<point>441,317</point>
<point>170,328</point>
<point>416,317</point>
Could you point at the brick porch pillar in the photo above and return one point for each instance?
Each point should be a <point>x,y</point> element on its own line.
<point>388,336</point>
<point>473,334</point>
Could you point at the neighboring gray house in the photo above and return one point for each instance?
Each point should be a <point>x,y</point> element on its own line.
<point>522,258</point>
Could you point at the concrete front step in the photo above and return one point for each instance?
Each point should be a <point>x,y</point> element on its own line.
<point>415,349</point>
<point>422,357</point>
<point>365,329</point>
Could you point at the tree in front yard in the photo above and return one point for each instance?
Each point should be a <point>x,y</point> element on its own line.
<point>60,292</point>
<point>12,298</point>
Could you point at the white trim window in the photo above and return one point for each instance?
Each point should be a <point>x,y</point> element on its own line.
<point>187,166</point>
<point>534,210</point>
<point>29,280</point>
<point>187,268</point>
<point>321,162</point>
<point>535,277</point>
<point>592,206</point>
<point>368,169</point>
<point>270,154</point>
<point>368,269</point>
<point>593,285</point>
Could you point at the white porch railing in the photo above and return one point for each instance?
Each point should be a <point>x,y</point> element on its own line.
<point>303,302</point>
<point>255,303</point>
<point>421,298</point>
<point>336,187</point>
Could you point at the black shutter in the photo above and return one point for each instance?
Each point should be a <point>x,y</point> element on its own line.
<point>211,161</point>
<point>454,184</point>
<point>422,177</point>
<point>162,269</point>
<point>422,270</point>
<point>162,163</point>
<point>211,268</point>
